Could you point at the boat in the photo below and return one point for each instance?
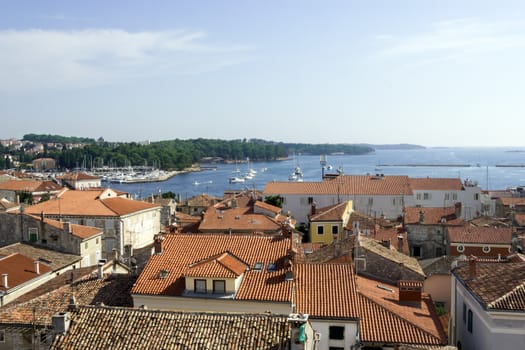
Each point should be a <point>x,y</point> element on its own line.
<point>297,175</point>
<point>235,179</point>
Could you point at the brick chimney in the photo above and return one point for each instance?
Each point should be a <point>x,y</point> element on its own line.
<point>410,290</point>
<point>313,210</point>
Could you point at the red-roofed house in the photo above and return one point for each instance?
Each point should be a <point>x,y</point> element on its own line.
<point>328,224</point>
<point>479,241</point>
<point>12,189</point>
<point>127,224</point>
<point>427,229</point>
<point>488,306</point>
<point>80,181</point>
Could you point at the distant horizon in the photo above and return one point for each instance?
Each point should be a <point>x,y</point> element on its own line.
<point>269,140</point>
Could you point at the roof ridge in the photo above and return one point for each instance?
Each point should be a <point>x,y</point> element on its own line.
<point>400,317</point>
<point>506,295</point>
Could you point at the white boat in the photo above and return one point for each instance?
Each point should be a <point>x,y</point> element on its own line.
<point>235,179</point>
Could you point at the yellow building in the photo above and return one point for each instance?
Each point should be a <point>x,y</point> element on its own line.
<point>328,224</point>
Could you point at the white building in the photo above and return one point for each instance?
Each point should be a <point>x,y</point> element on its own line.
<point>488,306</point>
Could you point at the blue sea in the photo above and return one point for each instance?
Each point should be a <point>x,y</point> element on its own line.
<point>492,168</point>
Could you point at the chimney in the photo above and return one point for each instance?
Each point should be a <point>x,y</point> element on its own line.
<point>410,290</point>
<point>67,227</point>
<point>472,267</point>
<point>313,210</point>
<point>61,322</point>
<point>4,280</point>
<point>37,267</point>
<point>100,272</point>
<point>158,239</point>
<point>457,209</point>
<point>400,243</point>
<point>72,303</point>
<point>421,217</point>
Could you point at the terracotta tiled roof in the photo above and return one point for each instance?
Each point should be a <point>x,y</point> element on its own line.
<point>237,219</point>
<point>118,328</point>
<point>385,319</point>
<point>432,216</point>
<point>30,186</point>
<point>19,269</point>
<point>202,200</point>
<point>52,258</point>
<point>224,265</point>
<point>483,235</point>
<point>180,251</point>
<point>390,254</point>
<point>512,200</point>
<point>436,184</point>
<point>54,296</point>
<point>520,219</point>
<point>326,291</point>
<point>499,286</point>
<point>393,236</point>
<point>331,213</point>
<point>345,184</point>
<point>80,231</point>
<point>88,203</point>
<point>269,207</point>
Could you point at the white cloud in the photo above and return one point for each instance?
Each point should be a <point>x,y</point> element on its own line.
<point>460,37</point>
<point>37,59</point>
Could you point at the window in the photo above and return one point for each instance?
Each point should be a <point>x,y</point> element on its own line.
<point>310,200</point>
<point>33,234</point>
<point>418,196</point>
<point>447,196</point>
<point>86,245</point>
<point>337,332</point>
<point>460,248</point>
<point>464,313</point>
<point>320,230</point>
<point>469,321</point>
<point>335,229</point>
<point>426,196</point>
<point>454,196</point>
<point>371,201</point>
<point>486,249</point>
<point>2,336</point>
<point>219,287</point>
<point>272,267</point>
<point>258,266</point>
<point>476,196</point>
<point>200,286</point>
<point>416,251</point>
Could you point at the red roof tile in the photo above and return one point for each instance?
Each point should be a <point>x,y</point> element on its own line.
<point>386,319</point>
<point>326,290</point>
<point>19,269</point>
<point>432,216</point>
<point>436,184</point>
<point>347,184</point>
<point>483,235</point>
<point>180,251</point>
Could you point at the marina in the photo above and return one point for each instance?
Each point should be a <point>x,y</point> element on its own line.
<point>484,167</point>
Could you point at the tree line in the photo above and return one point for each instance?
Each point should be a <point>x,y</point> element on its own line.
<point>168,155</point>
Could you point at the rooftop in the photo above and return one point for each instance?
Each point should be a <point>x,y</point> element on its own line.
<point>482,235</point>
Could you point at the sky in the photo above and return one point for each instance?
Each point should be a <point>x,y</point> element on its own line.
<point>432,73</point>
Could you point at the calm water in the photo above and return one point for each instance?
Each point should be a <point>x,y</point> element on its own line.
<point>478,164</point>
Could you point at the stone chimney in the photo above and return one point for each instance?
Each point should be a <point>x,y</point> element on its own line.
<point>4,281</point>
<point>61,322</point>
<point>158,243</point>
<point>37,267</point>
<point>472,261</point>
